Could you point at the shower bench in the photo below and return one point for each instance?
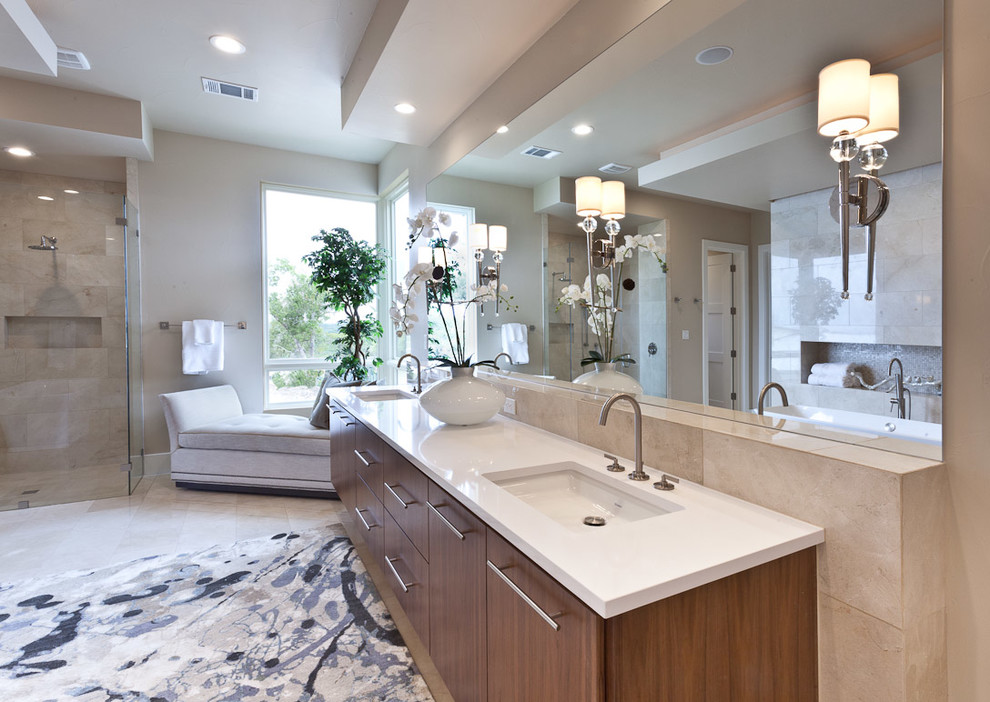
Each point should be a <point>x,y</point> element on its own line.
<point>216,446</point>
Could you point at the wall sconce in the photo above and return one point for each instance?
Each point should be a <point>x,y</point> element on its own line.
<point>608,201</point>
<point>494,238</point>
<point>861,111</point>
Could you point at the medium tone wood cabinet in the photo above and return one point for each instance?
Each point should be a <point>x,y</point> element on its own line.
<point>458,612</point>
<point>543,642</point>
<point>500,629</point>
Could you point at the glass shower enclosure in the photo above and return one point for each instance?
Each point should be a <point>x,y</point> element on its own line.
<point>71,423</point>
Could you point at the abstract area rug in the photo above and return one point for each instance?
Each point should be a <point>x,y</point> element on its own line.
<point>291,617</point>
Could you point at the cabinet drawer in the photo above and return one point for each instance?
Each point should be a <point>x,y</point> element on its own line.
<point>404,494</point>
<point>543,643</point>
<point>369,518</point>
<point>408,573</point>
<point>369,455</point>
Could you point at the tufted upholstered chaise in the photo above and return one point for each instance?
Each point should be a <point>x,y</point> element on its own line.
<point>215,444</point>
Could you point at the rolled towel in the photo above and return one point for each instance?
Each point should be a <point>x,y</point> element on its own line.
<point>833,368</point>
<point>834,380</point>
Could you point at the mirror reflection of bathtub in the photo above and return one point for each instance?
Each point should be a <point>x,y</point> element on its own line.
<point>861,423</point>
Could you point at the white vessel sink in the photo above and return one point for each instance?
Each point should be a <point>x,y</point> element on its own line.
<point>569,493</point>
<point>383,395</point>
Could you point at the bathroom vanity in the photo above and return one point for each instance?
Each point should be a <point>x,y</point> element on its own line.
<point>681,595</point>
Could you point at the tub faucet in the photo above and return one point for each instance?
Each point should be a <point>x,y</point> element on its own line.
<point>503,353</point>
<point>638,473</point>
<point>900,391</point>
<point>419,371</point>
<point>763,395</point>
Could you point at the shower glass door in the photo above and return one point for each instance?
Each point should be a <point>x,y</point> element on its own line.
<point>132,340</point>
<point>63,359</point>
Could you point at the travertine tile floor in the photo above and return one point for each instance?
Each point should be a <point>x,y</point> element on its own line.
<point>158,518</point>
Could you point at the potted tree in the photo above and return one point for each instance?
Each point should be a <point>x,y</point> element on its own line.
<point>346,272</point>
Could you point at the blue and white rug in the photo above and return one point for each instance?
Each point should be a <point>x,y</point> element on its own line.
<point>293,617</point>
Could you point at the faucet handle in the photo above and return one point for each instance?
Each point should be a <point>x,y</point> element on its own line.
<point>615,467</point>
<point>666,482</point>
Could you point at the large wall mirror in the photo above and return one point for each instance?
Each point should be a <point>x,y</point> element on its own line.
<point>729,176</point>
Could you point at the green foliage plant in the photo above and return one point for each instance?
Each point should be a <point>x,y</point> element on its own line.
<point>346,273</point>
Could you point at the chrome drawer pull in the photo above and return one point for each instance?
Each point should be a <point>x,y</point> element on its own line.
<point>444,520</point>
<point>363,521</point>
<point>405,505</point>
<point>405,587</point>
<point>349,424</point>
<point>515,588</point>
<point>364,460</point>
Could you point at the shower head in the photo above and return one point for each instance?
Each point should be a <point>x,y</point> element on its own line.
<point>47,244</point>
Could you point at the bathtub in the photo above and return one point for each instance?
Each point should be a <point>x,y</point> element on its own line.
<point>925,432</point>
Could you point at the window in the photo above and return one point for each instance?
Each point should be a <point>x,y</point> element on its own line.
<point>298,332</point>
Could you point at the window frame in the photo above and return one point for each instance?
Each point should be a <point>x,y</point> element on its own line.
<point>269,365</point>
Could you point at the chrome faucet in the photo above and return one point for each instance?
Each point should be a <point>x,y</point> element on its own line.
<point>763,395</point>
<point>638,473</point>
<point>419,371</point>
<point>900,391</point>
<point>495,361</point>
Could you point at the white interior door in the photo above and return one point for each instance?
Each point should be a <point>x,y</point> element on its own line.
<point>718,325</point>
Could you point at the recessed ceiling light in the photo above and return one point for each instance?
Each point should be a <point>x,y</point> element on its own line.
<point>502,130</point>
<point>227,44</point>
<point>714,55</point>
<point>405,108</point>
<point>19,151</point>
<point>71,192</point>
<point>46,198</point>
<point>582,129</point>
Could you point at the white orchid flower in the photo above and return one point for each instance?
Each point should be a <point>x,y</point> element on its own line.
<point>453,238</point>
<point>445,220</point>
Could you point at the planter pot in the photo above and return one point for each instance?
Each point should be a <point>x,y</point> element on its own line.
<point>462,399</point>
<point>606,377</point>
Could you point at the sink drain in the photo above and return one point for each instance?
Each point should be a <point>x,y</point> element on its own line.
<point>594,520</point>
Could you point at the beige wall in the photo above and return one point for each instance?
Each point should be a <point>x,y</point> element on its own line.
<point>522,269</point>
<point>966,260</point>
<point>201,254</point>
<point>687,224</point>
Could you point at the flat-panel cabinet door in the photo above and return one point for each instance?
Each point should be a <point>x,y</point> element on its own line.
<point>369,458</point>
<point>457,597</point>
<point>543,643</point>
<point>342,454</point>
<point>408,574</point>
<point>370,520</point>
<point>404,495</point>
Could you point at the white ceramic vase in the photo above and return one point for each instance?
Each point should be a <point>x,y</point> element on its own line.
<point>606,377</point>
<point>462,399</point>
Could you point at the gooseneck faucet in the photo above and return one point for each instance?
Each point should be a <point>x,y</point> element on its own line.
<point>419,371</point>
<point>763,395</point>
<point>638,473</point>
<point>503,353</point>
<point>899,390</point>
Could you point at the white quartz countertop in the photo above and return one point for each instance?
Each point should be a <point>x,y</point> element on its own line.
<point>615,568</point>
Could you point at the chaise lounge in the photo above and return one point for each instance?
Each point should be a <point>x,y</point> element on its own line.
<point>215,445</point>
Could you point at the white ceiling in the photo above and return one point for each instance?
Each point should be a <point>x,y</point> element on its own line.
<point>780,45</point>
<point>439,55</point>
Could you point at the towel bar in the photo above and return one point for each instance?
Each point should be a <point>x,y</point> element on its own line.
<point>165,326</point>
<point>490,327</point>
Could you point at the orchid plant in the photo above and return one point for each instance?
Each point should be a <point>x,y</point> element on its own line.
<point>597,297</point>
<point>440,284</point>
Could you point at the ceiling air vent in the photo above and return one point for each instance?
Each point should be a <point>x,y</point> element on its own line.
<point>614,168</point>
<point>541,152</point>
<point>70,58</point>
<point>241,92</point>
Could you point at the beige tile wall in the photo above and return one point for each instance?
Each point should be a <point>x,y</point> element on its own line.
<point>880,570</point>
<point>63,424</point>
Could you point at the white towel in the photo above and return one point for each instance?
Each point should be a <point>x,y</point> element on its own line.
<point>203,331</point>
<point>833,368</point>
<point>198,359</point>
<point>514,342</point>
<point>834,380</point>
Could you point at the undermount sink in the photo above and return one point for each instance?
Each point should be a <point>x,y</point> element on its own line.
<point>574,496</point>
<point>383,395</point>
